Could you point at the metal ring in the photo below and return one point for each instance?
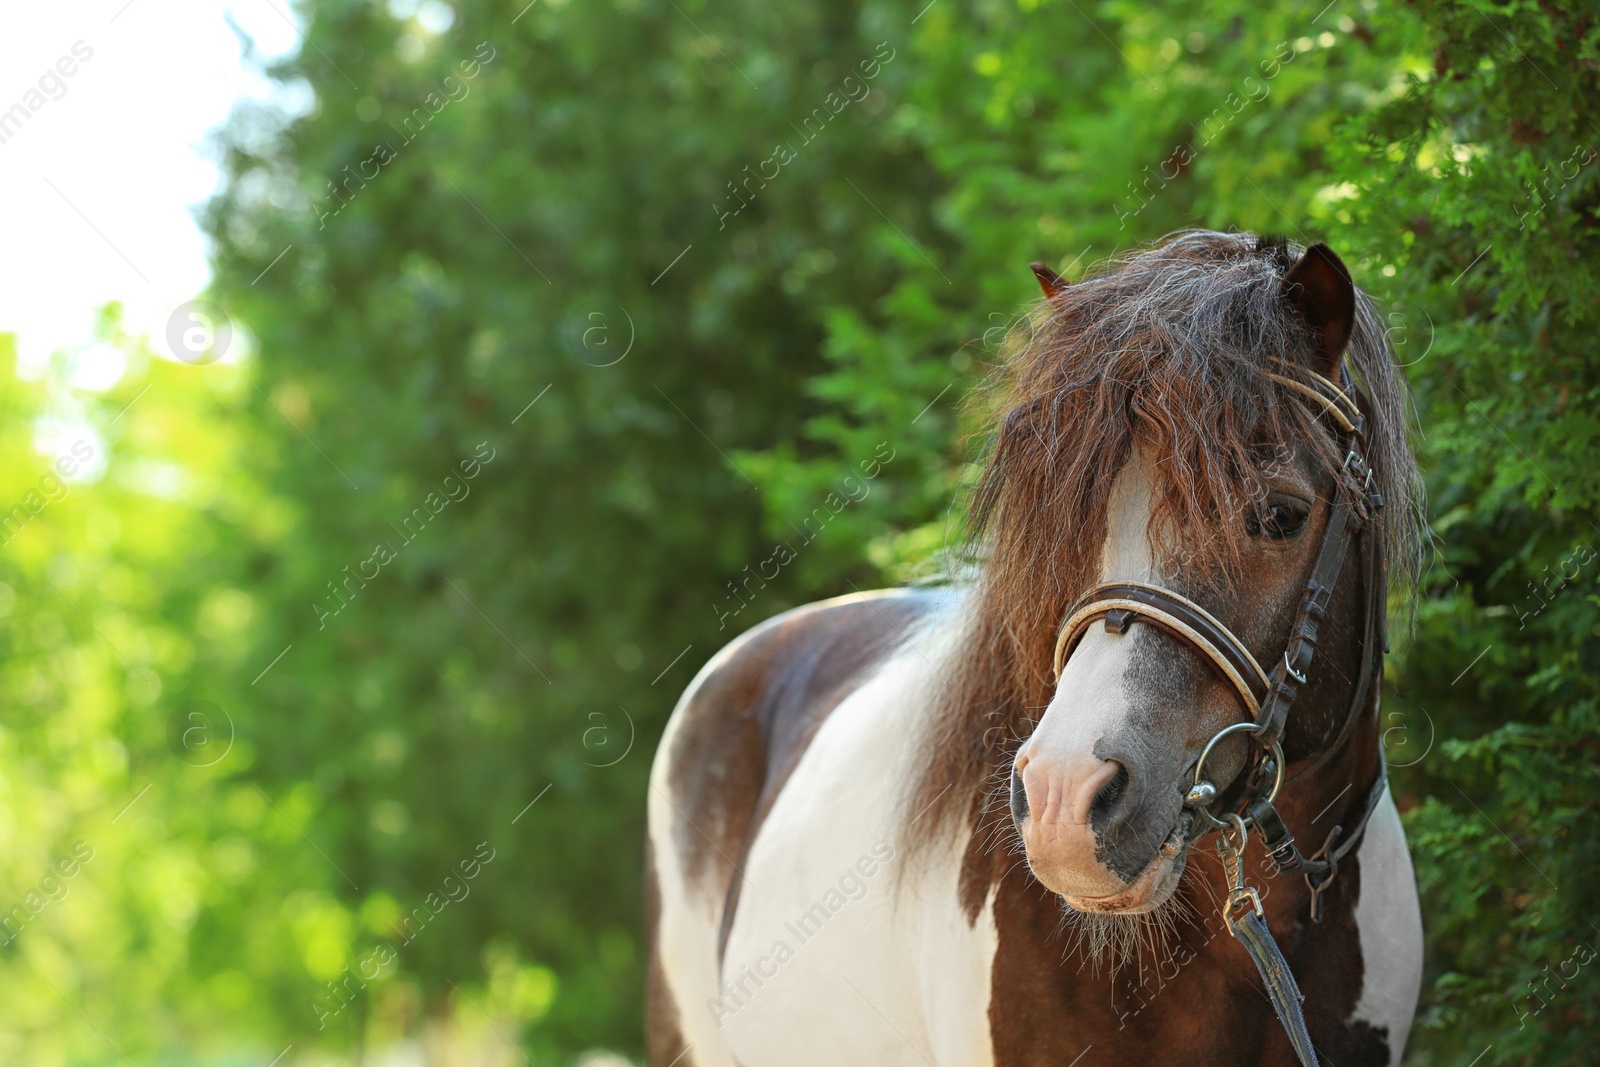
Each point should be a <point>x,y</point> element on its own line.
<point>1276,752</point>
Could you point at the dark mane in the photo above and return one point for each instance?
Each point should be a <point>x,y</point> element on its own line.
<point>1168,345</point>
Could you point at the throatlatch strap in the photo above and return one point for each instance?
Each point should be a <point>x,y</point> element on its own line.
<point>1321,869</point>
<point>1252,932</point>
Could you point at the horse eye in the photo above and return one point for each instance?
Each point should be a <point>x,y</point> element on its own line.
<point>1281,519</point>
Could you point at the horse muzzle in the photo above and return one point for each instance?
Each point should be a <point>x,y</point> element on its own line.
<point>1089,836</point>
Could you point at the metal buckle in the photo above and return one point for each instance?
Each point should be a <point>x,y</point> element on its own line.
<point>1231,844</point>
<point>1355,462</point>
<point>1298,676</point>
<point>1319,886</point>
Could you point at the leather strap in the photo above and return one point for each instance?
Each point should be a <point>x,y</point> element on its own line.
<point>1322,867</point>
<point>1289,674</point>
<point>1342,414</point>
<point>1251,930</point>
<point>1372,646</point>
<point>1121,603</point>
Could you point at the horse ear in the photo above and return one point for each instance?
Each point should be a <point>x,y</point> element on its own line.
<point>1319,288</point>
<point>1051,282</point>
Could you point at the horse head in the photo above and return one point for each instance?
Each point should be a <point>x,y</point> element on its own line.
<point>1184,398</point>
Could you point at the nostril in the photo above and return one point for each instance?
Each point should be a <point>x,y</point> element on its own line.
<point>1109,796</point>
<point>1019,798</point>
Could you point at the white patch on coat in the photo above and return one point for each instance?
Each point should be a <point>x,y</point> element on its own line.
<point>1389,920</point>
<point>833,956</point>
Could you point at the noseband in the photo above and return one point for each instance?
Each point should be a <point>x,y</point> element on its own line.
<point>1268,695</point>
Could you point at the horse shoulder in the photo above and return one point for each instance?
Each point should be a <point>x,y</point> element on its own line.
<point>736,734</point>
<point>746,719</point>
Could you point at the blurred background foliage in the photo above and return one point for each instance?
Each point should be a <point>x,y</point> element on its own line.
<point>576,261</point>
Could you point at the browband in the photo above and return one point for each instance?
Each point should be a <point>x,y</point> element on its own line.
<point>1344,417</point>
<point>1336,398</point>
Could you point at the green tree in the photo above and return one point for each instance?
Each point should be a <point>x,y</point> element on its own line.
<point>535,236</point>
<point>555,321</point>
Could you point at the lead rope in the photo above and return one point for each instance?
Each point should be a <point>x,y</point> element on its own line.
<point>1248,925</point>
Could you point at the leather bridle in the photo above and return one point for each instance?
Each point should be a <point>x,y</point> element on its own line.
<point>1269,695</point>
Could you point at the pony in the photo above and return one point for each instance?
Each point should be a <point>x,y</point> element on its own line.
<point>965,824</point>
